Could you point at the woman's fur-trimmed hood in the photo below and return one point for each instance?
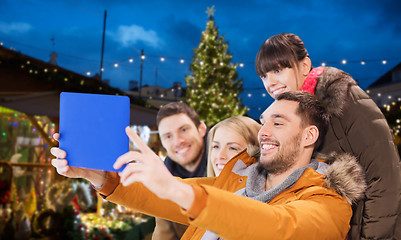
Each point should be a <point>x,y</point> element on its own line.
<point>333,88</point>
<point>345,176</point>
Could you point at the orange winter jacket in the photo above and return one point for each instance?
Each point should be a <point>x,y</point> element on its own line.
<point>307,210</point>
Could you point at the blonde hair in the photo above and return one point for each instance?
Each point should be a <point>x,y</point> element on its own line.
<point>245,126</point>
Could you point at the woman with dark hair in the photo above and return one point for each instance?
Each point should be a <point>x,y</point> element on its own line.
<point>357,127</point>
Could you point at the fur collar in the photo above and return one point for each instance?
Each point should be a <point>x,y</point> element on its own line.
<point>333,87</point>
<point>341,172</point>
<point>345,176</point>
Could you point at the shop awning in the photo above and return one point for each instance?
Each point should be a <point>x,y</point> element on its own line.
<point>47,104</point>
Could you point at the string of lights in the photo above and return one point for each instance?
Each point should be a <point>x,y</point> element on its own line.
<point>242,64</point>
<point>183,60</point>
<point>154,60</point>
<point>180,60</point>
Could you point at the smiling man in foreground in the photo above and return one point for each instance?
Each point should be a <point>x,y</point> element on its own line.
<point>284,195</point>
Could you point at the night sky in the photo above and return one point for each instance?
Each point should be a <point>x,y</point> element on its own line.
<point>332,31</point>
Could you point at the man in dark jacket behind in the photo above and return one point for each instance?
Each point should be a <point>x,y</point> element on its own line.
<point>183,136</point>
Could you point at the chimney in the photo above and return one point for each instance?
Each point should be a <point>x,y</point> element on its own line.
<point>53,58</point>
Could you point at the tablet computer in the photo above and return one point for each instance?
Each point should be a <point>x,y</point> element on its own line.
<point>92,129</point>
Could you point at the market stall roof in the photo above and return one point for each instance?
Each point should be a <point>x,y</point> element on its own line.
<point>33,87</point>
<point>42,104</point>
<point>47,104</point>
<point>388,78</point>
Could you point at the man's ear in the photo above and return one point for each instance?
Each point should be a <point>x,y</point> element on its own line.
<point>202,128</point>
<point>310,136</point>
<point>306,66</point>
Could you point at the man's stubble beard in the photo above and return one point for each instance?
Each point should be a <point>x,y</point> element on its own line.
<point>196,159</point>
<point>285,158</point>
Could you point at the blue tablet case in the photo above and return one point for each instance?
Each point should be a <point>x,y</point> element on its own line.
<point>92,129</point>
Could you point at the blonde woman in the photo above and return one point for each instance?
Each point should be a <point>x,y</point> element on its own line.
<point>228,138</point>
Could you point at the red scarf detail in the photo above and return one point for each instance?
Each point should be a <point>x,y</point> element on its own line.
<point>311,80</point>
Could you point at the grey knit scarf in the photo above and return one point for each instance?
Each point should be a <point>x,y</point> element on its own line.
<point>256,185</point>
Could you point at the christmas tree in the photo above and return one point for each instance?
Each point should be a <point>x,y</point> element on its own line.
<point>213,89</point>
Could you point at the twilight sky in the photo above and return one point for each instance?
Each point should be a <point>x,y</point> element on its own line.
<point>332,30</point>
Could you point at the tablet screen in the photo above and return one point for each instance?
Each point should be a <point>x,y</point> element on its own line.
<point>92,129</point>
